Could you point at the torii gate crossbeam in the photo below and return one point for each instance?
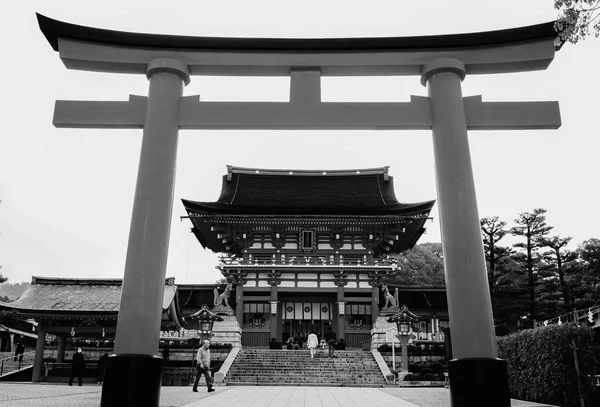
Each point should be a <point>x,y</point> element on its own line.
<point>477,376</point>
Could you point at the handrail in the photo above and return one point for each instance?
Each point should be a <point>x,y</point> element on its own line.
<point>17,356</point>
<point>13,357</point>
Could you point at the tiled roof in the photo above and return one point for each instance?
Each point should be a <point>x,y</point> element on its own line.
<point>300,192</point>
<point>79,295</point>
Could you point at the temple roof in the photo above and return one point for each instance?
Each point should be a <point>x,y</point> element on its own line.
<point>361,192</point>
<point>76,295</point>
<point>54,29</point>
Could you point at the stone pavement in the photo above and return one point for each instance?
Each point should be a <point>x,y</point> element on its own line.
<point>60,395</point>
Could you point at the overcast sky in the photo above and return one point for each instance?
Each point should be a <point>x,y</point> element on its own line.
<point>67,193</point>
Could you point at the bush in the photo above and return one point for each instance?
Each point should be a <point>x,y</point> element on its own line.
<point>436,367</point>
<point>411,378</point>
<point>387,348</point>
<point>426,371</point>
<point>541,366</point>
<point>414,368</point>
<point>429,377</point>
<point>220,346</point>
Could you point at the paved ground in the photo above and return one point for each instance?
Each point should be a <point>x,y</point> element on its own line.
<point>53,395</point>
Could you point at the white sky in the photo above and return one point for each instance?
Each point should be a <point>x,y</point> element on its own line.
<point>67,193</point>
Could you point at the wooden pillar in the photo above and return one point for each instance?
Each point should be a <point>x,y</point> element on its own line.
<point>341,302</point>
<point>274,319</point>
<point>62,343</point>
<point>38,363</point>
<point>134,373</point>
<point>469,302</point>
<point>239,304</point>
<point>375,301</point>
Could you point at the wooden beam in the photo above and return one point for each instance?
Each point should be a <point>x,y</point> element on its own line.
<point>510,115</point>
<point>413,115</point>
<point>100,115</point>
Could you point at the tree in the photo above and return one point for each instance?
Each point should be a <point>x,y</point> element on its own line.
<point>493,230</point>
<point>509,299</point>
<point>532,226</point>
<point>559,263</point>
<point>576,19</point>
<point>421,265</point>
<point>586,285</point>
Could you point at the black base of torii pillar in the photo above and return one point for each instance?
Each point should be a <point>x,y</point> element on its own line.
<point>133,375</point>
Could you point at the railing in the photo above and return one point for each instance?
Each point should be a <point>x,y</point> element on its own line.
<point>300,262</point>
<point>576,316</point>
<point>356,339</point>
<point>16,363</point>
<point>255,339</point>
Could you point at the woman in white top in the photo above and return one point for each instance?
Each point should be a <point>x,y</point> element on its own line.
<point>312,344</point>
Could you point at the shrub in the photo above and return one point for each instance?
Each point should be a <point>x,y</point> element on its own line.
<point>414,368</point>
<point>430,377</point>
<point>541,365</point>
<point>387,348</point>
<point>220,346</point>
<point>426,371</point>
<point>411,378</point>
<point>436,367</point>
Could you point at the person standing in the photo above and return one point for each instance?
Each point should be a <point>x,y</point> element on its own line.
<point>77,368</point>
<point>203,366</point>
<point>20,350</point>
<point>312,343</point>
<point>331,339</point>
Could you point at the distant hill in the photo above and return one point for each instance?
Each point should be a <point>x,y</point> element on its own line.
<point>12,291</point>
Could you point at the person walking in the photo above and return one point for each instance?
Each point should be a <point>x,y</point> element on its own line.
<point>203,366</point>
<point>312,344</point>
<point>331,339</point>
<point>77,368</point>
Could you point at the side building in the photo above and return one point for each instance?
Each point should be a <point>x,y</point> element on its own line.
<point>304,249</point>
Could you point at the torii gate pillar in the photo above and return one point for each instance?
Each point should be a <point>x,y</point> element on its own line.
<point>133,374</point>
<point>475,373</point>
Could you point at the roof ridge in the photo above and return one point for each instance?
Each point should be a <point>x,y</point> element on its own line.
<point>85,280</point>
<point>314,172</point>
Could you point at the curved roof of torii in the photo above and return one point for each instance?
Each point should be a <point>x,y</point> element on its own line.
<point>54,29</point>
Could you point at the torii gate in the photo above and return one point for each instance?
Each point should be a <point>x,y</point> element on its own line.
<point>133,374</point>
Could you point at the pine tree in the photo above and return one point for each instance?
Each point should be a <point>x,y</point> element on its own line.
<point>531,226</point>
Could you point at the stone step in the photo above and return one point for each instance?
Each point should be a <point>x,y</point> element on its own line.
<point>323,384</point>
<point>255,367</point>
<point>278,370</point>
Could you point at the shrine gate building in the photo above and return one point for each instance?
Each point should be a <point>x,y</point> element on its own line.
<point>308,248</point>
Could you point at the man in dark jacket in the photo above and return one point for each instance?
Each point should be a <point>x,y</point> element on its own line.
<point>331,339</point>
<point>77,369</point>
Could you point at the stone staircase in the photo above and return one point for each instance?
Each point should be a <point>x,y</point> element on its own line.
<point>264,367</point>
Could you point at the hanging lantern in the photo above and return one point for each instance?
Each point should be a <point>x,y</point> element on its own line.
<point>73,331</point>
<point>559,321</point>
<point>590,316</point>
<point>103,333</point>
